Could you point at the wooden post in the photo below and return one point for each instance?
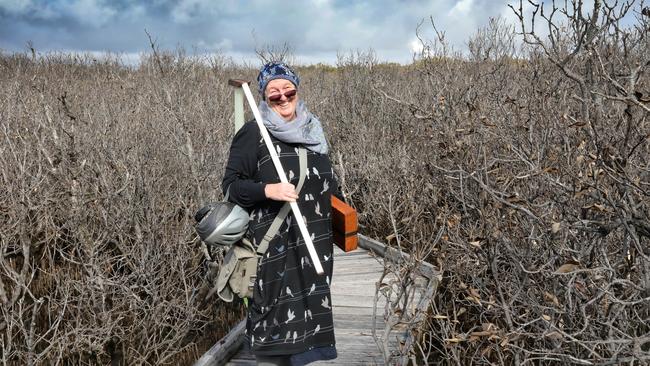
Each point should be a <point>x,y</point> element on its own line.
<point>239,109</point>
<point>239,102</point>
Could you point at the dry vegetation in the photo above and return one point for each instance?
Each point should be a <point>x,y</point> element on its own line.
<point>522,172</point>
<point>102,167</point>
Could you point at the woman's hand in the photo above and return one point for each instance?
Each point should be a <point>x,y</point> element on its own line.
<point>281,192</point>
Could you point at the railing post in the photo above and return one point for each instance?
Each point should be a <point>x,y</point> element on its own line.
<point>239,102</point>
<point>239,108</point>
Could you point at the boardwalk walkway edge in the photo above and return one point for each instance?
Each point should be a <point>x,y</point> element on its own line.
<point>228,346</point>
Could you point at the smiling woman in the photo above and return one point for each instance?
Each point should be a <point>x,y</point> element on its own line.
<point>282,98</point>
<point>290,315</point>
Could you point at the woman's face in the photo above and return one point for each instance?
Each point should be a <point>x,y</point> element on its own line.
<point>285,107</point>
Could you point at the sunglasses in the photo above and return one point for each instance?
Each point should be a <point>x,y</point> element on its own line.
<point>288,94</point>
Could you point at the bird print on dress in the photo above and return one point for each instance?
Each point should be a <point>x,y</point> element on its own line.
<point>326,186</point>
<point>288,283</point>
<point>326,303</point>
<point>288,224</point>
<point>305,261</point>
<point>290,316</point>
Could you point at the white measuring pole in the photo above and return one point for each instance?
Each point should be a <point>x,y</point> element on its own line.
<point>283,178</point>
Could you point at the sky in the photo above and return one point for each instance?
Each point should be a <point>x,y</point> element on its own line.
<point>317,30</point>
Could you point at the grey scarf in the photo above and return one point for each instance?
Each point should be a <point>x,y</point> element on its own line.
<point>305,129</point>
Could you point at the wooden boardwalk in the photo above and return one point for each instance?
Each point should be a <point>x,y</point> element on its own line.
<point>353,291</point>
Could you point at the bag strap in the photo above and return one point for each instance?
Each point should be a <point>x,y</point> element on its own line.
<point>284,211</point>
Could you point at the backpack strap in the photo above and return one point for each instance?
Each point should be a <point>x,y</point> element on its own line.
<point>284,211</point>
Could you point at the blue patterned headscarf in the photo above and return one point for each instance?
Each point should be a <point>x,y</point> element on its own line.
<point>276,70</point>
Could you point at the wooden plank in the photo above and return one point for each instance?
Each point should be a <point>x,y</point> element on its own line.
<point>355,310</point>
<point>356,263</point>
<point>225,348</point>
<point>342,270</point>
<point>363,287</point>
<point>352,265</point>
<point>353,256</point>
<point>353,301</point>
<point>359,257</point>
<point>348,260</point>
<point>357,266</point>
<point>366,279</point>
<point>358,251</point>
<point>361,326</point>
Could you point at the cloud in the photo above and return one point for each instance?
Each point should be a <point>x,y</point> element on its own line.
<point>462,8</point>
<point>314,28</point>
<point>415,45</point>
<point>15,6</point>
<point>188,10</point>
<point>92,13</point>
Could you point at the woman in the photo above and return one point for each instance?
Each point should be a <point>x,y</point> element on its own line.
<point>290,316</point>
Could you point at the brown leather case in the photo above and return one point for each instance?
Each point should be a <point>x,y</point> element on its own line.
<point>344,225</point>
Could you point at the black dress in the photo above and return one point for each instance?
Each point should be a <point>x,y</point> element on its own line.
<point>291,309</point>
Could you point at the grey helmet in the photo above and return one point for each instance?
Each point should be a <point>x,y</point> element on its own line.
<point>221,223</point>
